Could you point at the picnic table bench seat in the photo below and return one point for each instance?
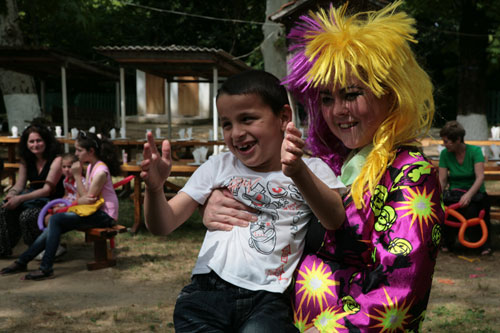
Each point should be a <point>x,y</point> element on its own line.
<point>103,239</point>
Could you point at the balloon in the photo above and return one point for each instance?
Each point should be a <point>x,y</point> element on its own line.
<point>47,206</point>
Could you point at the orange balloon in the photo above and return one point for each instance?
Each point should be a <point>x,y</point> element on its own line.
<point>463,224</point>
<point>469,223</point>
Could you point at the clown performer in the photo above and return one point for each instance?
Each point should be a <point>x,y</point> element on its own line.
<point>368,102</point>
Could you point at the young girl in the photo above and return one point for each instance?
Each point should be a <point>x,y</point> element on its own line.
<point>69,182</point>
<point>102,164</point>
<point>70,194</point>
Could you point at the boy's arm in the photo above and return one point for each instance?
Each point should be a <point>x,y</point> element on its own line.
<point>326,203</point>
<point>162,217</point>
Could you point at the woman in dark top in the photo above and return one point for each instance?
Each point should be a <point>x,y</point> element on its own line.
<point>39,180</point>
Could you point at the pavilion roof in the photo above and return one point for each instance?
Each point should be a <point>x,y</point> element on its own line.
<point>45,62</point>
<point>174,61</point>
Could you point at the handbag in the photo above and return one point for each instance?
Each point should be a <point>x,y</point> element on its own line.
<point>86,210</point>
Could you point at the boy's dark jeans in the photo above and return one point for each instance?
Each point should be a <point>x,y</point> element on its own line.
<point>210,304</point>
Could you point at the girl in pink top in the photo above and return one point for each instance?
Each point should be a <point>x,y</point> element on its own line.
<point>103,163</point>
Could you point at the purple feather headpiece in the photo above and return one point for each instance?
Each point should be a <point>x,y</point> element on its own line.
<point>320,140</point>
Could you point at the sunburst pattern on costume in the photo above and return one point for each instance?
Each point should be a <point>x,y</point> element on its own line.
<point>327,321</point>
<point>315,284</point>
<point>301,322</point>
<point>393,317</point>
<point>419,206</point>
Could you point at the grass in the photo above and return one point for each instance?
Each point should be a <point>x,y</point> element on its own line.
<point>166,262</point>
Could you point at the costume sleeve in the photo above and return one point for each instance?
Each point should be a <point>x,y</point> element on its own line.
<point>405,237</point>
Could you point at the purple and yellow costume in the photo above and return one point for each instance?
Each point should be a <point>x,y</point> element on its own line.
<point>375,272</point>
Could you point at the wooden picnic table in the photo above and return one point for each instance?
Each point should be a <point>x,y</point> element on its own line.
<point>429,142</point>
<point>178,170</point>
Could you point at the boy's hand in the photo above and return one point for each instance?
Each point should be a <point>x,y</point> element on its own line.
<point>292,151</point>
<point>156,168</point>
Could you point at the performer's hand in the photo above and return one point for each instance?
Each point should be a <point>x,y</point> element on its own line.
<point>221,211</point>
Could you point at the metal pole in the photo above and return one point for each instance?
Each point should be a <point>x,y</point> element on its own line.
<point>169,110</point>
<point>65,105</point>
<point>214,105</point>
<point>117,101</point>
<point>122,98</point>
<point>42,97</point>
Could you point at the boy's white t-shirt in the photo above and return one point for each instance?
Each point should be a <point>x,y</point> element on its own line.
<point>263,255</point>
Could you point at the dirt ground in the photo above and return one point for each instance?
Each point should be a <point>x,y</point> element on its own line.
<point>138,294</point>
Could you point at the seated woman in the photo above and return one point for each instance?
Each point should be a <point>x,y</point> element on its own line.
<point>461,166</point>
<point>40,167</point>
<point>102,164</point>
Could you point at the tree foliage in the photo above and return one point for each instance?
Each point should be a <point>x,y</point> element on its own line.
<point>80,25</point>
<point>459,46</point>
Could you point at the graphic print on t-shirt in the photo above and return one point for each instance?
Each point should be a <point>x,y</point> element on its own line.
<point>267,200</point>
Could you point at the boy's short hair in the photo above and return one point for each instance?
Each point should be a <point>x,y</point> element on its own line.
<point>453,130</point>
<point>263,84</point>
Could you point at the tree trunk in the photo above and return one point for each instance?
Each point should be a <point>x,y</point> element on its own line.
<point>19,91</point>
<point>472,98</point>
<point>274,45</point>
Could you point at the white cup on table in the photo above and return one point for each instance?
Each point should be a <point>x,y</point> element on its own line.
<point>74,133</point>
<point>182,133</point>
<point>15,131</point>
<point>203,153</point>
<point>495,150</point>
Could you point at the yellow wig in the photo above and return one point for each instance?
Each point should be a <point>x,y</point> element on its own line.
<point>374,47</point>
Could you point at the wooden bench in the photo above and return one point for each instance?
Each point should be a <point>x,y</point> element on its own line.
<point>103,239</point>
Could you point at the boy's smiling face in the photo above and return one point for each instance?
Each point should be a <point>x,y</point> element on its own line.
<point>252,132</point>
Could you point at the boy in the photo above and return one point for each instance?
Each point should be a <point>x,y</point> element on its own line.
<point>241,276</point>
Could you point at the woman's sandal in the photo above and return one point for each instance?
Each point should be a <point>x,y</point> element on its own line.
<point>15,267</point>
<point>38,275</point>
